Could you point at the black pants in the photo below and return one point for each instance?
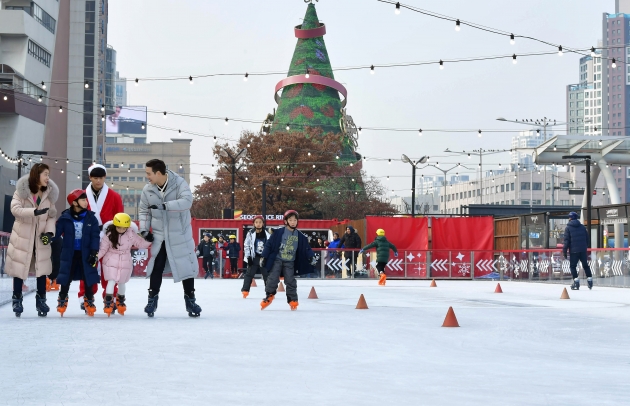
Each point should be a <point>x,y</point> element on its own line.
<point>155,282</point>
<point>573,261</point>
<point>77,265</point>
<point>352,266</point>
<point>380,267</point>
<point>207,262</point>
<point>41,286</point>
<point>234,265</point>
<point>252,269</point>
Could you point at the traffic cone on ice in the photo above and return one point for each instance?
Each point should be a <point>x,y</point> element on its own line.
<point>565,294</point>
<point>450,320</point>
<point>313,294</point>
<point>253,285</point>
<point>433,284</point>
<point>361,304</point>
<point>498,289</point>
<point>281,287</point>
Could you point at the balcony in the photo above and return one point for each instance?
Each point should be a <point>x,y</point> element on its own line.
<point>38,15</point>
<point>22,96</point>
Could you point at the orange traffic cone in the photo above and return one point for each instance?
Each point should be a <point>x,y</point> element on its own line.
<point>565,294</point>
<point>313,294</point>
<point>450,320</point>
<point>361,304</point>
<point>281,287</point>
<point>498,289</point>
<point>253,285</point>
<point>433,284</point>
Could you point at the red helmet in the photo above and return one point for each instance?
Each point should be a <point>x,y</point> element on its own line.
<point>258,217</point>
<point>76,194</point>
<point>290,212</point>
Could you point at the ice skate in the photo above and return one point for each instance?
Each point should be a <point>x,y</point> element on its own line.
<point>54,285</point>
<point>18,308</point>
<point>120,304</point>
<point>383,279</point>
<point>294,305</point>
<point>266,301</point>
<point>88,304</point>
<point>245,294</point>
<point>207,274</point>
<point>589,281</point>
<point>192,307</point>
<point>41,306</point>
<point>62,304</point>
<point>151,306</point>
<point>576,284</point>
<point>109,305</point>
<point>48,285</point>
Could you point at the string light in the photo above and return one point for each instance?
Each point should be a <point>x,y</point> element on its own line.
<point>512,39</point>
<point>307,74</point>
<point>514,59</point>
<point>593,52</point>
<point>479,134</point>
<point>39,99</point>
<point>102,118</point>
<point>246,76</point>
<point>420,132</point>
<point>457,25</point>
<point>137,82</point>
<point>390,161</point>
<point>559,50</point>
<point>43,85</point>
<point>87,85</point>
<point>226,121</point>
<point>441,64</point>
<point>102,107</point>
<point>165,114</point>
<point>6,98</point>
<point>279,149</point>
<point>614,63</point>
<point>397,9</point>
<point>190,80</point>
<point>143,126</point>
<point>288,127</point>
<point>360,130</point>
<point>60,109</point>
<point>372,69</point>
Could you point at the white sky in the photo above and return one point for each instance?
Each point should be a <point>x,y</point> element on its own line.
<point>194,37</point>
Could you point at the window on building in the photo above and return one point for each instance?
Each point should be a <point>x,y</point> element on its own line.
<point>564,202</point>
<point>123,179</point>
<point>512,186</point>
<point>441,198</point>
<point>525,202</point>
<point>132,179</point>
<point>132,166</point>
<point>39,53</point>
<point>108,166</point>
<point>537,186</point>
<point>502,188</point>
<point>116,166</point>
<point>116,179</point>
<point>547,186</point>
<point>536,202</point>
<point>525,186</point>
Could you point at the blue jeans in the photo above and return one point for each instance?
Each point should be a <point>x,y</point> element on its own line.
<point>573,261</point>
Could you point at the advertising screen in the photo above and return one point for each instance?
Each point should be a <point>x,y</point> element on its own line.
<point>127,120</point>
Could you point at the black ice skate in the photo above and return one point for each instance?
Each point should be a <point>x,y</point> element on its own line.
<point>207,274</point>
<point>41,306</point>
<point>576,284</point>
<point>17,305</point>
<point>589,281</point>
<point>151,306</point>
<point>192,307</point>
<point>109,306</point>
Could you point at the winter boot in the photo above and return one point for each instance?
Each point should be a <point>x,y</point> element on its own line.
<point>48,285</point>
<point>383,279</point>
<point>267,301</point>
<point>109,305</point>
<point>151,306</point>
<point>576,284</point>
<point>88,304</point>
<point>62,304</point>
<point>589,281</point>
<point>294,305</point>
<point>245,294</point>
<point>192,307</point>
<point>41,306</point>
<point>18,308</point>
<point>120,304</point>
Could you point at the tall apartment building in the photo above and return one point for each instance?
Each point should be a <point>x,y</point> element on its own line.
<point>121,90</point>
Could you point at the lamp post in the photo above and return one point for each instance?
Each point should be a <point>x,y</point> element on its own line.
<point>232,169</point>
<point>445,171</point>
<point>589,196</point>
<point>481,152</point>
<point>413,164</point>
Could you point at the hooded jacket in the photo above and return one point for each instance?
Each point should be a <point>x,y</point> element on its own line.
<point>250,242</point>
<point>382,248</point>
<point>24,243</point>
<point>351,240</point>
<point>575,238</point>
<point>303,255</point>
<point>117,262</point>
<point>90,241</point>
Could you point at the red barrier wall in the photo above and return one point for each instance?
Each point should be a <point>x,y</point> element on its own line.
<point>405,233</point>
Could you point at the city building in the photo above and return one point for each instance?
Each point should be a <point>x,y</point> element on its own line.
<point>425,204</point>
<point>110,78</point>
<point>121,90</point>
<point>125,167</point>
<point>527,139</point>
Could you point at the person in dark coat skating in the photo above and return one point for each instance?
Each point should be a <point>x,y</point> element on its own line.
<point>576,242</point>
<point>382,253</point>
<point>351,240</point>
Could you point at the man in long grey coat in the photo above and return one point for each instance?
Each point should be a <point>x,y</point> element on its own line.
<point>165,221</point>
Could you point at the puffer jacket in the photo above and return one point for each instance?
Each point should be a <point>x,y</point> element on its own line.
<point>351,240</point>
<point>575,238</point>
<point>382,248</point>
<point>117,263</point>
<point>27,228</point>
<point>171,226</point>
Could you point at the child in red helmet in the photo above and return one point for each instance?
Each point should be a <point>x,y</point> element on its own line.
<point>286,253</point>
<point>79,253</point>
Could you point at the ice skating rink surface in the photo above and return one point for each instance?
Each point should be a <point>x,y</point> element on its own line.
<point>522,347</point>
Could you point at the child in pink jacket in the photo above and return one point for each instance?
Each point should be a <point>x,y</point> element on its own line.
<point>115,250</point>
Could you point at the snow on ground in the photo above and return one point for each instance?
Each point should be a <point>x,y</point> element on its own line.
<point>522,347</point>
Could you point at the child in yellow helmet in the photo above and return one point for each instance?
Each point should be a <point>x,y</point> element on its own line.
<point>382,253</point>
<point>115,250</point>
<point>233,250</point>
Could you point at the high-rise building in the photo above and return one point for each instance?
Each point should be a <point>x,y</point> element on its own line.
<point>110,78</point>
<point>527,139</point>
<point>121,90</point>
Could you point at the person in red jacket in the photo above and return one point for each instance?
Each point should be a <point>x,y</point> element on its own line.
<point>105,203</point>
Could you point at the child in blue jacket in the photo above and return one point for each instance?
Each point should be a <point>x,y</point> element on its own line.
<point>233,249</point>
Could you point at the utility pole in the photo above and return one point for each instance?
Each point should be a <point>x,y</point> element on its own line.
<point>20,154</point>
<point>264,200</point>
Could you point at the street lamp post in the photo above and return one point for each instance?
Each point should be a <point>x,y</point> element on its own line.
<point>444,183</point>
<point>481,152</point>
<point>234,158</point>
<point>413,164</point>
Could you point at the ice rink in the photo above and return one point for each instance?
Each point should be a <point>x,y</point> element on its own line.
<point>522,347</point>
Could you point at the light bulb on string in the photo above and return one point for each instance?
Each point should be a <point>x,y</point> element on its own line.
<point>479,134</point>
<point>245,77</point>
<point>420,132</point>
<point>514,59</point>
<point>288,127</point>
<point>226,121</point>
<point>43,85</point>
<point>142,126</point>
<point>441,64</point>
<point>102,118</point>
<point>39,99</point>
<point>560,50</point>
<point>180,132</point>
<point>60,109</point>
<point>360,130</point>
<point>390,161</point>
<point>137,82</point>
<point>457,25</point>
<point>593,51</point>
<point>372,69</point>
<point>5,98</point>
<point>165,114</point>
<point>190,80</point>
<point>614,63</point>
<point>512,39</point>
<point>102,107</point>
<point>87,85</point>
<point>397,9</point>
<point>279,149</point>
<point>67,161</point>
<point>307,74</point>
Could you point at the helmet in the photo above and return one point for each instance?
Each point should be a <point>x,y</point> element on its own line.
<point>207,235</point>
<point>214,240</point>
<point>258,217</point>
<point>380,232</point>
<point>290,213</point>
<point>76,194</point>
<point>122,220</point>
<point>573,215</point>
<point>232,236</point>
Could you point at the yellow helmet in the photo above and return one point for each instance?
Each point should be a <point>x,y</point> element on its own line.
<point>232,236</point>
<point>214,240</point>
<point>380,232</point>
<point>122,220</point>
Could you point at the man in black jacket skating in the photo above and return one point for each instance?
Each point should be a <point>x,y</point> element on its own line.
<point>351,240</point>
<point>576,242</point>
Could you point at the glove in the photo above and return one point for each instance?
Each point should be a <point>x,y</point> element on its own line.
<point>46,238</point>
<point>42,211</point>
<point>361,252</point>
<point>198,253</point>
<point>395,254</point>
<point>148,237</point>
<point>262,262</point>
<point>313,261</point>
<point>93,259</point>
<point>160,207</point>
<point>211,252</point>
<point>246,260</point>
